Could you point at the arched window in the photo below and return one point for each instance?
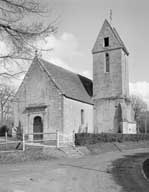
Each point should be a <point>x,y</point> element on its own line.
<point>82,116</point>
<point>107,63</point>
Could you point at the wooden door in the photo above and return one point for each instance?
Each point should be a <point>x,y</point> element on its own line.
<point>38,128</point>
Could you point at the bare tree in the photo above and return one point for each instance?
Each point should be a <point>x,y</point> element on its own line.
<point>6,97</point>
<point>20,26</point>
<point>139,107</point>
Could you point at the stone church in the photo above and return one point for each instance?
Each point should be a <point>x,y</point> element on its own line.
<point>52,98</point>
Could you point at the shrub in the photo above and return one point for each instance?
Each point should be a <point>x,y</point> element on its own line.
<point>9,132</point>
<point>3,130</point>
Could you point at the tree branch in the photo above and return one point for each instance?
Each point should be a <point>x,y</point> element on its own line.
<point>20,35</point>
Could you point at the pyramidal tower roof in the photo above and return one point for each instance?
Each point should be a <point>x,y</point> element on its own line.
<point>115,40</point>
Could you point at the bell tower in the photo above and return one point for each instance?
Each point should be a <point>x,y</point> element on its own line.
<point>110,81</point>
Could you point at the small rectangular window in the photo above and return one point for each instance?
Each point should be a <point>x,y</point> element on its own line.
<point>106,41</point>
<point>82,116</point>
<point>107,63</point>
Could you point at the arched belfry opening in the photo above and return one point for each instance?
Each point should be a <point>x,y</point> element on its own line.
<point>38,128</point>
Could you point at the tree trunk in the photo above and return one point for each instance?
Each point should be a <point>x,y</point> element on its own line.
<point>2,117</point>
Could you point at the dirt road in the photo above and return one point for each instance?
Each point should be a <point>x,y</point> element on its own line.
<point>88,174</point>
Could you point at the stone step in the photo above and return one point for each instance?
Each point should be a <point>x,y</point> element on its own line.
<point>72,152</point>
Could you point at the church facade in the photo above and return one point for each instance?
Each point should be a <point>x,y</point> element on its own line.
<point>51,98</point>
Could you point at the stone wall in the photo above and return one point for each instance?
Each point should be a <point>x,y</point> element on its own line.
<point>72,115</point>
<point>125,74</point>
<point>104,112</point>
<point>37,89</point>
<point>107,84</point>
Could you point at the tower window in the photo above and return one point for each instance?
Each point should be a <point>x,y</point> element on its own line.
<point>107,63</point>
<point>106,42</point>
<point>82,116</point>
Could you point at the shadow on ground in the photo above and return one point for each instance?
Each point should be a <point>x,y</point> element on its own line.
<point>128,173</point>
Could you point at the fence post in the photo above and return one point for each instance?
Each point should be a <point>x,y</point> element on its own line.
<point>23,142</point>
<point>6,138</point>
<point>57,138</point>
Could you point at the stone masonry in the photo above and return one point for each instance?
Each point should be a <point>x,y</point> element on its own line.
<point>110,89</point>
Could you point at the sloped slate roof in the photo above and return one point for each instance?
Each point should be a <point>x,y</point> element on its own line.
<point>120,40</point>
<point>70,84</point>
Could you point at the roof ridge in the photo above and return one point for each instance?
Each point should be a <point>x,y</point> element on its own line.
<point>65,69</point>
<point>117,37</point>
<point>114,31</point>
<point>58,66</point>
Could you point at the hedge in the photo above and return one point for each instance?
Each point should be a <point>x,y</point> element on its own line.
<point>90,138</point>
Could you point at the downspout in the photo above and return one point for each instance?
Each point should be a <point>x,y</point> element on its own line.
<point>62,113</point>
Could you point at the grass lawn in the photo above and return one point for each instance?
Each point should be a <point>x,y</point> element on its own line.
<point>30,154</point>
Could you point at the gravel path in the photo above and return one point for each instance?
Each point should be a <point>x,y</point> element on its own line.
<point>87,174</point>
